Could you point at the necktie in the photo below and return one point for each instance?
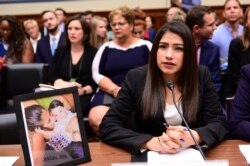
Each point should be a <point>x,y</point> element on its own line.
<point>198,46</point>
<point>53,45</point>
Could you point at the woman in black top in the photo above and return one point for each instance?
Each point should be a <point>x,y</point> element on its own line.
<point>71,65</point>
<point>146,100</point>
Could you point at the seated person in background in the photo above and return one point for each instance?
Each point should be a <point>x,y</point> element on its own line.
<point>71,65</point>
<point>201,22</point>
<point>150,31</point>
<point>185,4</point>
<point>15,46</point>
<point>146,99</point>
<point>227,31</point>
<point>98,34</point>
<point>239,118</point>
<point>55,38</point>
<point>61,15</point>
<point>175,13</point>
<point>32,29</point>
<point>113,60</point>
<point>88,15</point>
<point>238,56</point>
<point>139,29</point>
<point>139,24</point>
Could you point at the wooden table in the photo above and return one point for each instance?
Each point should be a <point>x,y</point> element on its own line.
<point>104,155</point>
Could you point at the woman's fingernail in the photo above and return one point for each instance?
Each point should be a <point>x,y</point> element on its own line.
<point>182,140</point>
<point>185,129</point>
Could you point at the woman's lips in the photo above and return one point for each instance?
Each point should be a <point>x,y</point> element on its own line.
<point>168,64</point>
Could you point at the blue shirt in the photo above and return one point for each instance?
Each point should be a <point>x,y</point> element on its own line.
<point>187,4</point>
<point>222,37</point>
<point>2,49</point>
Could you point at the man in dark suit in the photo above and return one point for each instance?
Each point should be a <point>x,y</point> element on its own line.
<point>55,38</point>
<point>201,21</point>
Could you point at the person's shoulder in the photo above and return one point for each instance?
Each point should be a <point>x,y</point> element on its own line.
<point>237,41</point>
<point>210,44</point>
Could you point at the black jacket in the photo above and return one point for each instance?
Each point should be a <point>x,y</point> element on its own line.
<point>211,124</point>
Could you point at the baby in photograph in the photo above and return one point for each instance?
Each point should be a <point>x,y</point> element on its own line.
<point>65,129</point>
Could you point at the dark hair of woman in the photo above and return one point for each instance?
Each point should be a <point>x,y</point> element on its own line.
<point>17,38</point>
<point>154,96</point>
<point>55,103</point>
<point>85,28</point>
<point>33,116</point>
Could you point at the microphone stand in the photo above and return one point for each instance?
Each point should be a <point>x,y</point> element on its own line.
<point>170,85</point>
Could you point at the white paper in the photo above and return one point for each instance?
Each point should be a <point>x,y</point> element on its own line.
<point>8,160</point>
<point>245,150</point>
<point>195,163</point>
<point>186,155</point>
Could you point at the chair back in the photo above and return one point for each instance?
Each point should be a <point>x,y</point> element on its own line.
<point>23,78</point>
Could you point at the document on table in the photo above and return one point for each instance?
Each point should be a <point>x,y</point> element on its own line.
<point>186,155</point>
<point>8,160</point>
<point>245,149</point>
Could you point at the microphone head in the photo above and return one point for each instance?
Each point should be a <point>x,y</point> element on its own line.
<point>170,85</point>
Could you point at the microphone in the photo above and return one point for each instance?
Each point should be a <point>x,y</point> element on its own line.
<point>170,85</point>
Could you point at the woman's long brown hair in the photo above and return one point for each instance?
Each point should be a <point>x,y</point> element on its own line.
<point>154,97</point>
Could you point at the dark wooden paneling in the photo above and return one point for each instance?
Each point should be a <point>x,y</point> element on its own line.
<point>158,14</point>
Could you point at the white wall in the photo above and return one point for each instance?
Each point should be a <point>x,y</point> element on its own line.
<point>79,5</point>
<point>95,5</point>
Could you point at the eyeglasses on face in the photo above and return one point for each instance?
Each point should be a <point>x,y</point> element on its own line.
<point>119,24</point>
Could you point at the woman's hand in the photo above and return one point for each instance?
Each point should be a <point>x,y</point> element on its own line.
<point>168,145</point>
<point>175,139</point>
<point>162,144</point>
<point>66,84</point>
<point>181,136</point>
<point>85,90</point>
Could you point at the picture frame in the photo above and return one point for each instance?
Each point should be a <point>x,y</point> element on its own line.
<point>51,128</point>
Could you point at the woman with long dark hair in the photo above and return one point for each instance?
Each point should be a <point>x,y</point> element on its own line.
<point>15,46</point>
<point>71,65</point>
<point>148,102</point>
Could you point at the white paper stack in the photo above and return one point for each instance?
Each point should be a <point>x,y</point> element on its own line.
<point>245,150</point>
<point>186,155</point>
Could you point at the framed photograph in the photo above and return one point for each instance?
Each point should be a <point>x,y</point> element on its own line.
<point>51,128</point>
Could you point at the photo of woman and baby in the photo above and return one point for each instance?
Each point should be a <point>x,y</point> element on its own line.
<point>52,130</point>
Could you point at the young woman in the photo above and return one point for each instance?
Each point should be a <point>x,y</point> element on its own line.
<point>98,34</point>
<point>113,60</point>
<point>71,65</point>
<point>147,101</point>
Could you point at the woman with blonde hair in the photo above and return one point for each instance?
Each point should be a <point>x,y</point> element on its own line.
<point>113,60</point>
<point>31,27</point>
<point>98,35</point>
